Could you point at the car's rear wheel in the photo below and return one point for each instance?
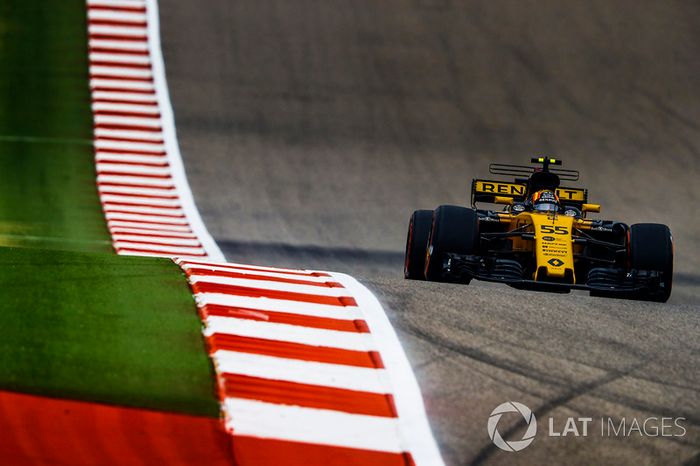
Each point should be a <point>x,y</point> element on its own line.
<point>651,250</point>
<point>416,244</point>
<point>454,230</point>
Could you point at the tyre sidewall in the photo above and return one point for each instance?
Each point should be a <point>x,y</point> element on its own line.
<point>651,248</point>
<point>417,243</point>
<point>454,230</point>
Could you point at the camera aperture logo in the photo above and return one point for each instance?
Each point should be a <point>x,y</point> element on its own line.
<point>512,445</point>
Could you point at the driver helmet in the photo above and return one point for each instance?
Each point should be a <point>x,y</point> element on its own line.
<point>545,201</point>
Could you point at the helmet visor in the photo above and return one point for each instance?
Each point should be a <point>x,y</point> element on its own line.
<point>546,207</point>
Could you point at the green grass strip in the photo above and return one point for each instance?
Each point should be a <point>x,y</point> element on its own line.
<point>103,328</point>
<point>48,197</point>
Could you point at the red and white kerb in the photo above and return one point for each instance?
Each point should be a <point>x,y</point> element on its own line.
<point>309,369</point>
<point>140,178</point>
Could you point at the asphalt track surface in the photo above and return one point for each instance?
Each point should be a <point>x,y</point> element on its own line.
<point>311,130</point>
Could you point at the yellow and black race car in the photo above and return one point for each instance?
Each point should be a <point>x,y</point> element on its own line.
<point>541,240</point>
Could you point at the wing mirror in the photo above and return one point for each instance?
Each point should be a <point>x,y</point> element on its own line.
<point>590,208</point>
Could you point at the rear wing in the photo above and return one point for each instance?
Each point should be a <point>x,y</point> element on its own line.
<point>487,190</point>
<point>525,171</point>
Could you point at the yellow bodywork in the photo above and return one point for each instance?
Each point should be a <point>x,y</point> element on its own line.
<point>554,250</point>
<point>553,245</point>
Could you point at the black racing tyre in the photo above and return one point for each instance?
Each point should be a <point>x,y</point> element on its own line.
<point>456,230</point>
<point>417,244</point>
<point>651,249</point>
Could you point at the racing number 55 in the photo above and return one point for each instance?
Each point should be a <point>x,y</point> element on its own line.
<point>557,230</point>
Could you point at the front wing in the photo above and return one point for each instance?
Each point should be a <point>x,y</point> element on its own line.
<point>463,268</point>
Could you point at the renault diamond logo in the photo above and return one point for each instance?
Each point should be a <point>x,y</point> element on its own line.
<point>556,262</point>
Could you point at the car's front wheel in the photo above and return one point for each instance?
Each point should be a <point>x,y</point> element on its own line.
<point>455,230</point>
<point>651,250</point>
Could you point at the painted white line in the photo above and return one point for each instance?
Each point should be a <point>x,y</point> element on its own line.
<point>135,239</point>
<point>117,84</point>
<point>280,305</point>
<point>176,212</point>
<point>110,199</point>
<point>145,218</point>
<point>132,108</point>
<point>117,156</point>
<point>154,147</point>
<point>271,285</point>
<point>115,224</point>
<point>261,273</point>
<point>97,57</point>
<point>150,160</point>
<point>308,372</point>
<point>164,254</point>
<point>142,232</point>
<point>310,425</point>
<point>164,193</point>
<point>121,72</point>
<point>130,157</point>
<point>118,3</point>
<point>124,97</point>
<point>131,169</point>
<point>116,15</point>
<point>108,44</point>
<point>132,160</point>
<point>129,121</point>
<point>135,180</point>
<point>233,265</point>
<point>126,147</point>
<point>125,135</point>
<point>126,31</point>
<point>352,341</point>
<point>159,248</point>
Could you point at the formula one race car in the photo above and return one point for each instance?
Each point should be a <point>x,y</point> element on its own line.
<point>541,240</point>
